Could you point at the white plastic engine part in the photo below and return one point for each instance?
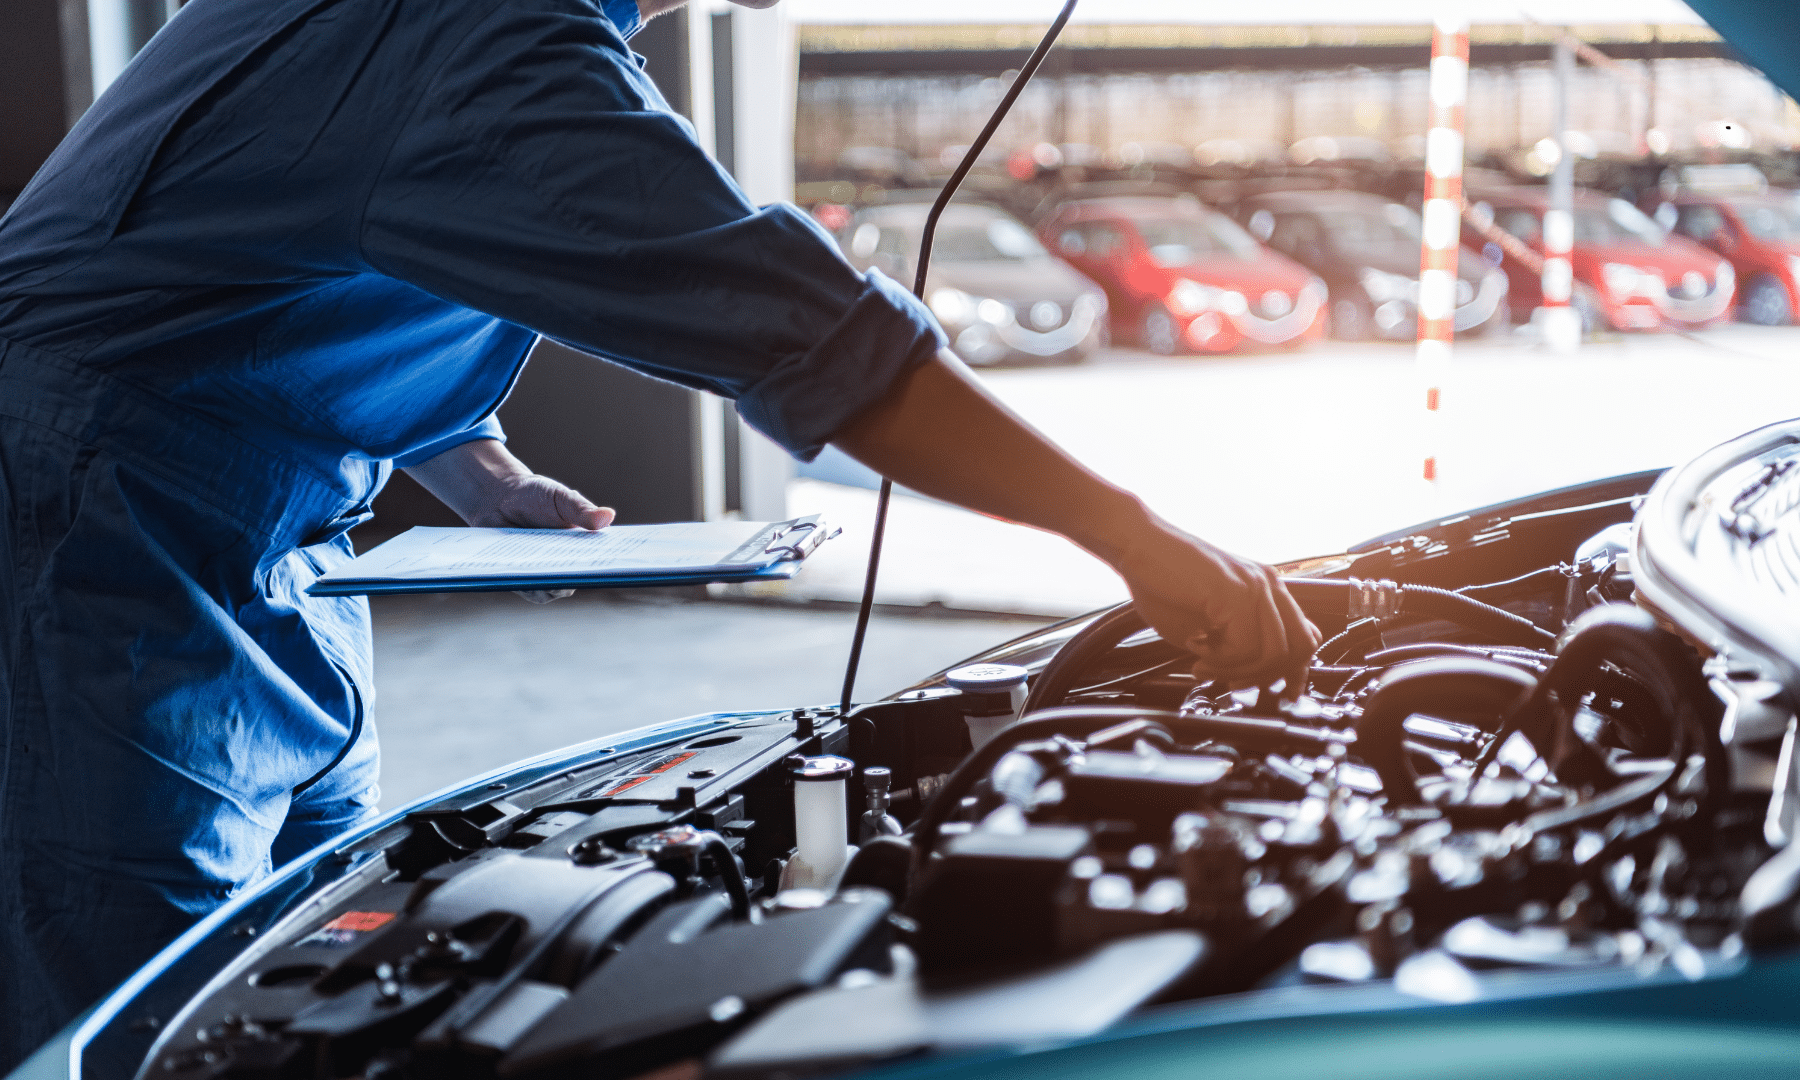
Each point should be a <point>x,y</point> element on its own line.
<point>821,828</point>
<point>993,694</point>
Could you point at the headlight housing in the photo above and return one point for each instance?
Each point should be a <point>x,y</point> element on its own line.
<point>952,305</point>
<point>1383,286</point>
<point>1623,280</point>
<point>1191,297</point>
<point>1726,277</point>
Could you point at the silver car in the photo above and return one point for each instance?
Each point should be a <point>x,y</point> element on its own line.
<point>999,294</point>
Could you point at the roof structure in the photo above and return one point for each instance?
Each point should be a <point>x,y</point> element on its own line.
<point>1304,13</point>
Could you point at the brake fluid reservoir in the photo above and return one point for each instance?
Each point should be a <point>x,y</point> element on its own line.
<point>821,822</point>
<point>992,695</point>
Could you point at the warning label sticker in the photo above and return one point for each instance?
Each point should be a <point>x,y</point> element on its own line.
<point>644,774</point>
<point>346,928</point>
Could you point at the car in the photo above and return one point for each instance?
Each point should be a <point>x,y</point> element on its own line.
<point>1758,234</point>
<point>1184,278</point>
<point>1366,249</point>
<point>999,295</point>
<point>1630,273</point>
<point>1535,813</point>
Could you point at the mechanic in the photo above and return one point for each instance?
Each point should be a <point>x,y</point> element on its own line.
<point>301,242</point>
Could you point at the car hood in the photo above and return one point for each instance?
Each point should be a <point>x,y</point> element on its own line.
<point>1677,257</point>
<point>1253,277</point>
<point>1469,266</point>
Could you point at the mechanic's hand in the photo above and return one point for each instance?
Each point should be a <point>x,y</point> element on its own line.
<point>531,501</point>
<point>538,502</point>
<point>1232,613</point>
<point>490,488</point>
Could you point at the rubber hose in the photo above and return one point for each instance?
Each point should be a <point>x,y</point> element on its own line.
<point>1663,668</point>
<point>1461,688</point>
<point>1065,670</point>
<point>735,885</point>
<point>1426,600</point>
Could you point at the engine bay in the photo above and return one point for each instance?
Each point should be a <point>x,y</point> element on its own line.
<point>1508,764</point>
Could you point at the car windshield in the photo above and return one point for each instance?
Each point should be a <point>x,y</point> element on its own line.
<point>1618,222</point>
<point>1769,220</point>
<point>1179,241</point>
<point>1392,226</point>
<point>994,240</point>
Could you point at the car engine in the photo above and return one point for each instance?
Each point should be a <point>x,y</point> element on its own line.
<point>1511,764</point>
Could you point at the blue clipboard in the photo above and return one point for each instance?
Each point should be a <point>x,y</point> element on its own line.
<point>775,551</point>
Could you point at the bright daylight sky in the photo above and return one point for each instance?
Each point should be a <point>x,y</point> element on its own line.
<point>1264,13</point>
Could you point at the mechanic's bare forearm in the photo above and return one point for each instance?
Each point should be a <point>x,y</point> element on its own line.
<point>468,476</point>
<point>940,432</point>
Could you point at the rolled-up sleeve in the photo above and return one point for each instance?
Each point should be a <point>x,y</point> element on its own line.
<point>543,180</point>
<point>488,428</point>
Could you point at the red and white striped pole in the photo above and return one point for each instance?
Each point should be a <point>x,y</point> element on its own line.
<point>1442,239</point>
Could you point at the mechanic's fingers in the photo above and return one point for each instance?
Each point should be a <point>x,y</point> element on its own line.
<point>544,596</point>
<point>575,511</point>
<point>1275,644</point>
<point>1302,637</point>
<point>1250,640</point>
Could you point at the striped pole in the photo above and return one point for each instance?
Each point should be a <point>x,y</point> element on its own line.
<point>1561,322</point>
<point>1442,238</point>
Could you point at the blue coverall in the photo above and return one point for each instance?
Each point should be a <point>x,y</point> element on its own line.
<point>298,242</point>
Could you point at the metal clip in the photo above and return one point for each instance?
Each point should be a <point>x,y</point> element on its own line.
<point>1373,599</point>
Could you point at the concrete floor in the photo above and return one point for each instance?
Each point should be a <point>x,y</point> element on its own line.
<point>466,683</point>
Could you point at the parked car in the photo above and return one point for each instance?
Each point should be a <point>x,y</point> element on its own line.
<point>1534,815</point>
<point>1366,250</point>
<point>1183,278</point>
<point>1630,273</point>
<point>1759,235</point>
<point>999,295</point>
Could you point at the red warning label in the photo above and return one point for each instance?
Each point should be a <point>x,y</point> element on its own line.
<point>346,928</point>
<point>645,774</point>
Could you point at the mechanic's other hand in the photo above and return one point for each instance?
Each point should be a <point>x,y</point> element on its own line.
<point>538,502</point>
<point>490,488</point>
<point>1232,613</point>
<point>531,501</point>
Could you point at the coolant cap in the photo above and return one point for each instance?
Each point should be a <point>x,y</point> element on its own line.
<point>823,769</point>
<point>986,678</point>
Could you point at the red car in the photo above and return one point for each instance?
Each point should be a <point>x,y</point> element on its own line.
<point>1630,274</point>
<point>1182,278</point>
<point>1760,235</point>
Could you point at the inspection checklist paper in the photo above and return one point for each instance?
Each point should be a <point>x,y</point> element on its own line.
<point>428,559</point>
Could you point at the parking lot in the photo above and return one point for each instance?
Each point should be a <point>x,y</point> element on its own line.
<point>1277,456</point>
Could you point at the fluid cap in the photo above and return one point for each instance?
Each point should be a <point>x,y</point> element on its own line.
<point>986,678</point>
<point>823,769</point>
<point>990,689</point>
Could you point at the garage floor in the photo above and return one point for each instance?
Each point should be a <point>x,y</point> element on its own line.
<point>467,683</point>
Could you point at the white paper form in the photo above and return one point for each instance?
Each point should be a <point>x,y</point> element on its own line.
<point>426,553</point>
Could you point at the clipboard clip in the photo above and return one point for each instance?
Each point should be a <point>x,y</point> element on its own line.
<point>800,538</point>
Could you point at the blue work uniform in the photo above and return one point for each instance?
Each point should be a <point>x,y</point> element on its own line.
<point>299,242</point>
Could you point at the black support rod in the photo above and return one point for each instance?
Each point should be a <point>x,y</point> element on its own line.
<point>885,497</point>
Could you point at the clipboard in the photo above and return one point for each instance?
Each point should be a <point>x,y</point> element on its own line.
<point>426,559</point>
